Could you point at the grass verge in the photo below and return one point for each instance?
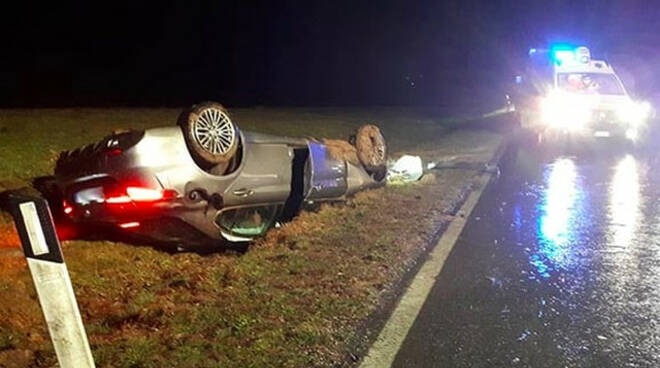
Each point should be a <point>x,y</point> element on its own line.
<point>294,300</point>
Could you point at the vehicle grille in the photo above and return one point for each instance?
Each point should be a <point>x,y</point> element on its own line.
<point>604,116</point>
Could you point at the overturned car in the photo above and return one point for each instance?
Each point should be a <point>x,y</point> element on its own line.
<point>207,183</point>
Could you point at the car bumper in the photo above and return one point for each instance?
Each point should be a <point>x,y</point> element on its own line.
<point>601,131</point>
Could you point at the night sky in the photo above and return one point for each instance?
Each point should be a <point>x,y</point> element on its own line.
<point>306,52</point>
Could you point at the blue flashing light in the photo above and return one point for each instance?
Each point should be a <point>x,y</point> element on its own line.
<point>562,53</point>
<point>564,56</point>
<point>562,47</point>
<point>532,51</point>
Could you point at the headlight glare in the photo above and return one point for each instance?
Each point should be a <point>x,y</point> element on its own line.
<point>563,112</point>
<point>635,113</point>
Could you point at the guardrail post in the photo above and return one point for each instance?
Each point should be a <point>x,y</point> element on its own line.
<point>51,279</point>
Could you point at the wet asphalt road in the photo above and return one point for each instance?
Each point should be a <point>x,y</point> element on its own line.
<point>558,266</point>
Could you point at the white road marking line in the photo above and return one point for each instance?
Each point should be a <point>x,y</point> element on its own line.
<point>389,341</point>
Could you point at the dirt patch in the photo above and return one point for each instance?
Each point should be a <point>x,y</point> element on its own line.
<point>8,233</point>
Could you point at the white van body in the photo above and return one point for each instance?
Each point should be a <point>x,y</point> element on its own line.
<point>586,97</point>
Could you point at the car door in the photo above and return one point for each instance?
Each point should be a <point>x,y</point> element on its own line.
<point>265,177</point>
<point>326,174</point>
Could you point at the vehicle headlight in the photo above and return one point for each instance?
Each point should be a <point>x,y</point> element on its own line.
<point>635,113</point>
<point>564,112</point>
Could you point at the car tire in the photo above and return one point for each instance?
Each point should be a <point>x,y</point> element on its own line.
<point>211,136</point>
<point>371,150</point>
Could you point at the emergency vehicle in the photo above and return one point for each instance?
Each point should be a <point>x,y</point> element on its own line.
<point>566,92</point>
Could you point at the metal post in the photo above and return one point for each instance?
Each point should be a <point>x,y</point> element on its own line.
<point>51,278</point>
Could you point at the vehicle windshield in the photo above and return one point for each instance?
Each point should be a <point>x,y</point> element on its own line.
<point>590,83</point>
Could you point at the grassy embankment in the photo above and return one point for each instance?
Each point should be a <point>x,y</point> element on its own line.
<point>295,299</point>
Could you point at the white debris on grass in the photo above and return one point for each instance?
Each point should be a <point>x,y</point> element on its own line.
<point>407,168</point>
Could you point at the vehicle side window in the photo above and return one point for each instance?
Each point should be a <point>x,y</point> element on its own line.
<point>248,222</point>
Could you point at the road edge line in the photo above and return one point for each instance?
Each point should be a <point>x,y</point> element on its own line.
<point>384,349</point>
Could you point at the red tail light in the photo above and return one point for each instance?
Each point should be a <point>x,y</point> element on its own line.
<point>144,194</point>
<point>67,208</point>
<point>129,225</point>
<point>139,194</point>
<point>114,152</point>
<point>118,199</point>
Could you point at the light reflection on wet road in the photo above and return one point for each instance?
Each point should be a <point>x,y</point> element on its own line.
<point>559,266</point>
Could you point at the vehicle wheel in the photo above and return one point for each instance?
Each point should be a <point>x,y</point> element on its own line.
<point>211,136</point>
<point>371,149</point>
